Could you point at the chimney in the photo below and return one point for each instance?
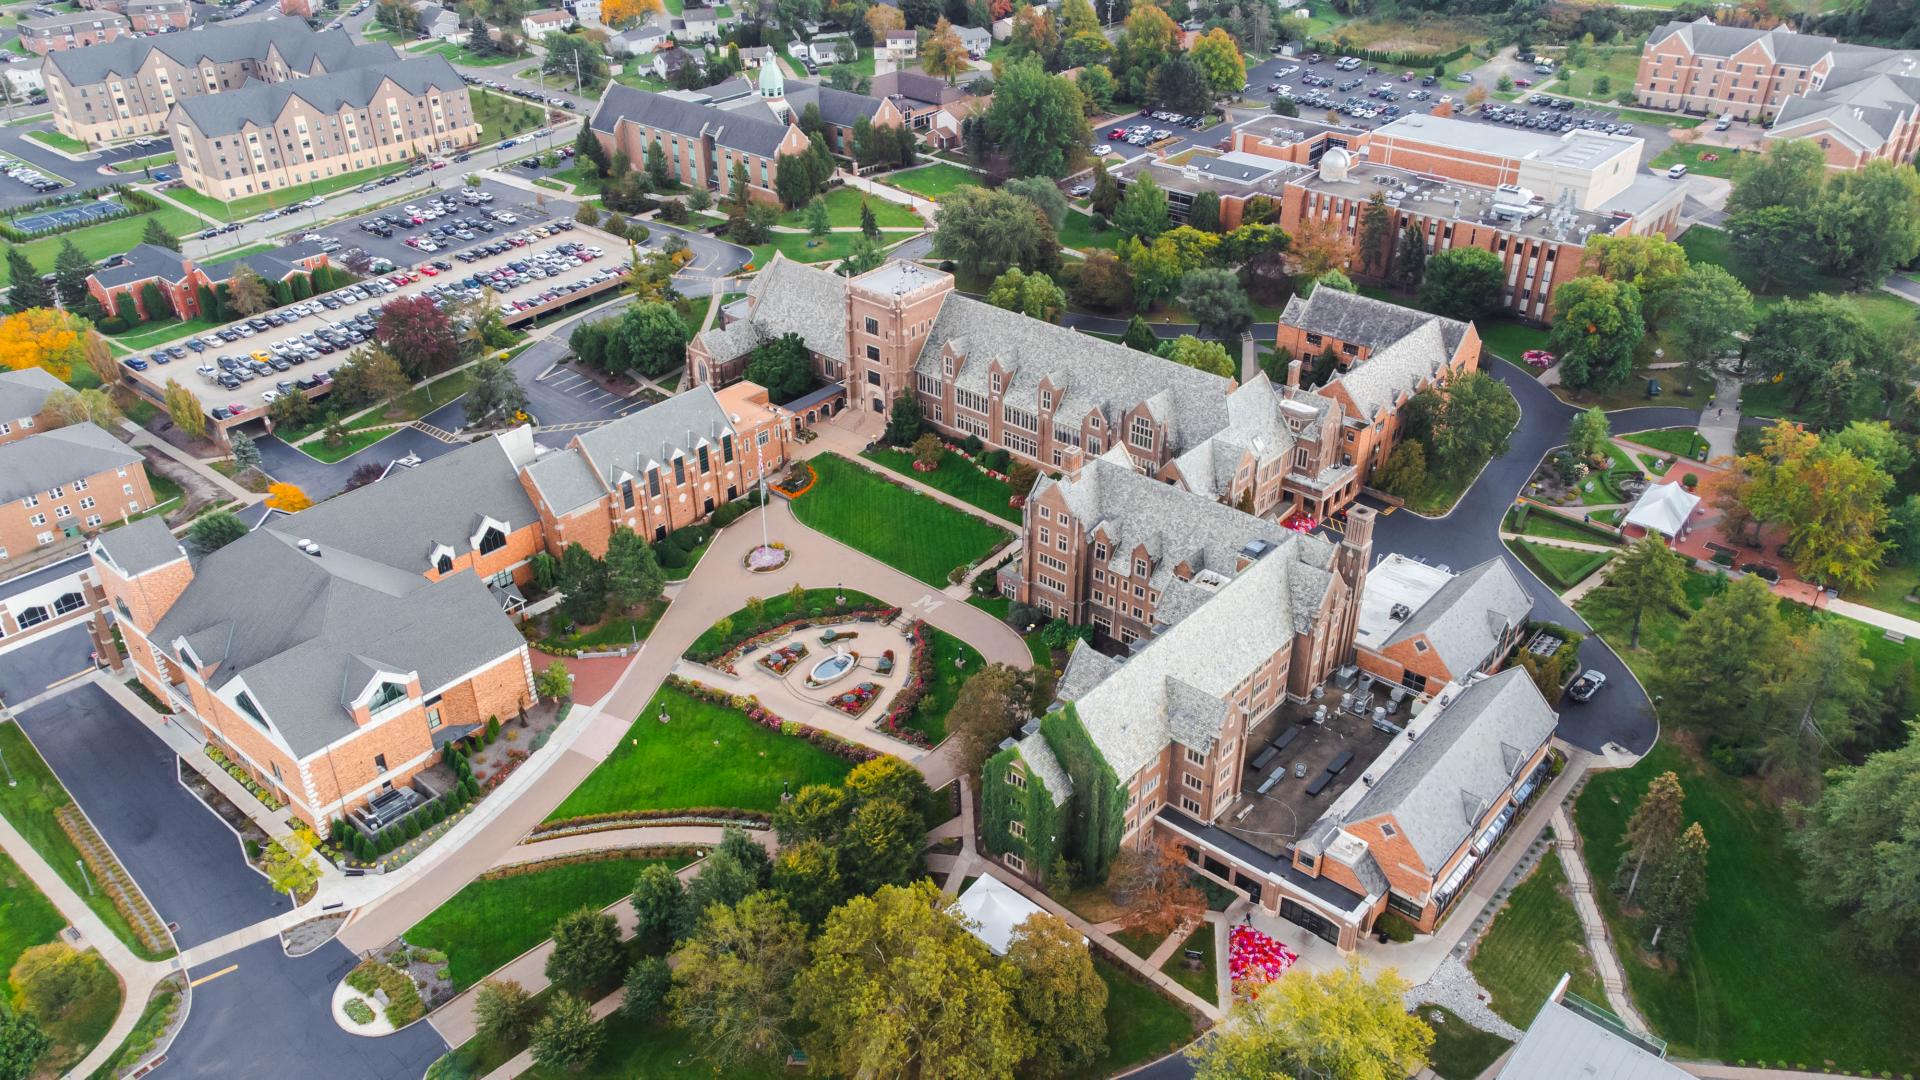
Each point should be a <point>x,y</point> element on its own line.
<point>1293,372</point>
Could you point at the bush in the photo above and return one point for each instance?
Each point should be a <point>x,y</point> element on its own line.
<point>1690,481</point>
<point>997,460</point>
<point>358,1010</point>
<point>728,513</point>
<point>403,998</point>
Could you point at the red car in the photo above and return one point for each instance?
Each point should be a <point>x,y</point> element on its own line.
<point>1117,133</point>
<point>1523,82</point>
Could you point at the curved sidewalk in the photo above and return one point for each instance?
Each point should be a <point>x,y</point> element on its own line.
<point>634,836</point>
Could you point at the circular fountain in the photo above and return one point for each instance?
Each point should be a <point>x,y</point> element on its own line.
<point>829,669</point>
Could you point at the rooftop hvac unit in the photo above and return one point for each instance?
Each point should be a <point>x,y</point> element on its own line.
<point>1399,612</point>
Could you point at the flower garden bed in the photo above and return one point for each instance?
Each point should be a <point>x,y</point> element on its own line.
<point>767,718</point>
<point>767,559</point>
<point>724,661</point>
<point>799,479</point>
<point>857,700</point>
<point>919,677</point>
<point>782,660</point>
<point>1254,960</point>
<point>239,773</point>
<point>404,1004</point>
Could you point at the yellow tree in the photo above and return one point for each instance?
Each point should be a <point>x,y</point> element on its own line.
<point>287,497</point>
<point>882,18</point>
<point>1333,1023</point>
<point>1319,246</point>
<point>1220,61</point>
<point>45,338</point>
<point>941,54</point>
<point>618,13</point>
<point>100,358</point>
<point>183,408</point>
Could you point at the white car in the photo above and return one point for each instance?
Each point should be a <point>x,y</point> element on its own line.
<point>1102,150</point>
<point>270,397</point>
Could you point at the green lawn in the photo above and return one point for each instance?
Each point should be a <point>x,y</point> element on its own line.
<point>613,633</point>
<point>906,530</point>
<point>1204,982</point>
<point>58,141</point>
<point>999,607</point>
<point>641,78</point>
<point>930,719</point>
<point>107,238</point>
<point>1552,526</point>
<point>355,442</point>
<point>493,920</point>
<point>27,917</point>
<point>29,806</point>
<point>1141,1023</point>
<point>1460,1050</point>
<point>457,54</point>
<point>843,212</point>
<point>1562,568</point>
<point>250,205</point>
<point>1534,940</point>
<point>502,117</point>
<point>1695,159</point>
<point>134,165</point>
<point>705,756</point>
<point>1620,66</point>
<point>635,1050</point>
<point>1769,976</point>
<point>147,335</point>
<point>1681,442</point>
<point>803,248</point>
<point>957,477</point>
<point>1632,394</point>
<point>1139,942</point>
<point>424,398</point>
<point>1077,232</point>
<point>932,181</point>
<point>779,608</point>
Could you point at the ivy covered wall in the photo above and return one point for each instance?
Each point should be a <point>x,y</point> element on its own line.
<point>1003,803</point>
<point>1096,814</point>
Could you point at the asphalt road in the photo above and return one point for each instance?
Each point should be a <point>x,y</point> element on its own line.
<point>28,670</point>
<point>271,1015</point>
<point>187,861</point>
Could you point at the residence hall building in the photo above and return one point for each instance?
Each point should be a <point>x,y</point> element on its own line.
<point>1422,627</point>
<point>159,16</point>
<point>272,136</point>
<point>66,482</point>
<point>74,31</point>
<point>23,402</point>
<point>1056,397</point>
<point>129,87</point>
<point>1857,103</point>
<point>1529,197</point>
<point>120,289</point>
<point>1165,741</point>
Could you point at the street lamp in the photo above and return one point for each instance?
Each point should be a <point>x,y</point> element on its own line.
<point>11,782</point>
<point>81,863</point>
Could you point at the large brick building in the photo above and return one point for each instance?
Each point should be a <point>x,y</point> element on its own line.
<point>74,31</point>
<point>23,402</point>
<point>1858,103</point>
<point>179,278</point>
<point>1531,198</point>
<point>66,482</point>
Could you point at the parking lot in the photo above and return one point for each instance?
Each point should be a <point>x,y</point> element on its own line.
<point>240,369</point>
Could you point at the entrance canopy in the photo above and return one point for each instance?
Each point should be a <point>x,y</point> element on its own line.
<point>1663,508</point>
<point>996,909</point>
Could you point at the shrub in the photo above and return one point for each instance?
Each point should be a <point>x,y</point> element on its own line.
<point>493,729</point>
<point>358,1010</point>
<point>1690,481</point>
<point>403,998</point>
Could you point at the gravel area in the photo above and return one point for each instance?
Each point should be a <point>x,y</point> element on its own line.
<point>310,935</point>
<point>1453,986</point>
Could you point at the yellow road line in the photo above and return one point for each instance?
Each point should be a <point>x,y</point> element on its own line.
<point>228,970</point>
<point>81,674</point>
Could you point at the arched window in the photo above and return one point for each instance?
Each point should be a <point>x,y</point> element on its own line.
<point>444,563</point>
<point>33,616</point>
<point>69,603</point>
<point>492,540</point>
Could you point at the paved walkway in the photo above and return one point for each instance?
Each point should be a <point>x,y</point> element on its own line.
<point>1599,943</point>
<point>1720,420</point>
<point>141,438</point>
<point>638,836</point>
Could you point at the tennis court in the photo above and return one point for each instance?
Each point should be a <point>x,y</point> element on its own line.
<point>68,217</point>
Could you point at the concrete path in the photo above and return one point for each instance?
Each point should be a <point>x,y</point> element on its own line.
<point>142,438</point>
<point>1720,420</point>
<point>1873,616</point>
<point>1599,943</point>
<point>638,836</point>
<point>1554,541</point>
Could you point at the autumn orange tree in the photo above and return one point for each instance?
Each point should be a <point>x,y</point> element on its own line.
<point>942,55</point>
<point>45,338</point>
<point>617,13</point>
<point>881,18</point>
<point>1155,889</point>
<point>287,497</point>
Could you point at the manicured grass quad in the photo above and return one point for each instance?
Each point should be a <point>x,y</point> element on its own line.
<point>1460,1050</point>
<point>843,211</point>
<point>705,756</point>
<point>955,476</point>
<point>932,181</point>
<point>1533,941</point>
<point>908,531</point>
<point>493,920</point>
<point>1562,568</point>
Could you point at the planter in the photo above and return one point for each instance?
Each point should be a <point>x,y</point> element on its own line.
<point>766,559</point>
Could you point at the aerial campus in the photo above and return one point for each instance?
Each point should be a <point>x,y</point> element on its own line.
<point>988,539</point>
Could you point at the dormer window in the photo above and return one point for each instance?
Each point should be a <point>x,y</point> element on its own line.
<point>995,381</point>
<point>1046,401</point>
<point>244,702</point>
<point>386,695</point>
<point>492,540</point>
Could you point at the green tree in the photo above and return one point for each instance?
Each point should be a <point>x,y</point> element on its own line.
<point>28,291</point>
<point>502,1010</point>
<point>1036,119</point>
<point>1652,831</point>
<point>651,338</point>
<point>1475,422</point>
<point>1217,301</point>
<point>1204,213</point>
<point>1096,85</point>
<point>71,269</point>
<point>1826,699</point>
<point>554,683</point>
<point>1589,434</point>
<point>1860,849</point>
<point>863,256</point>
<point>246,455</point>
<point>22,1044</point>
<point>733,979</point>
<point>583,580</point>
<point>1218,58</point>
<point>1596,328</point>
<point>1376,231</point>
<point>1760,236</point>
<point>1718,669</point>
<point>289,865</point>
<point>986,231</point>
<point>904,421</point>
<point>1800,342</point>
<point>816,812</point>
<point>1324,1023</point>
<point>869,228</point>
<point>493,391</point>
<point>647,984</point>
<point>587,148</point>
<point>897,980</point>
<point>1648,576</point>
<point>807,876</point>
<point>247,292</point>
<point>587,953</point>
<point>881,845</point>
<point>1405,471</point>
<point>1106,190</point>
<point>1867,222</point>
<point>156,234</point>
<point>656,164</point>
<point>734,870</point>
<point>49,980</point>
<point>1059,994</point>
<point>567,1036</point>
<point>1462,283</point>
<point>1649,263</point>
<point>1142,212</point>
<point>783,366</point>
<point>1034,295</point>
<point>633,575</point>
<point>989,706</point>
<point>1703,316</point>
<point>214,530</point>
<point>1140,336</point>
<point>1044,194</point>
<point>819,225</point>
<point>1199,354</point>
<point>1409,260</point>
<point>1676,890</point>
<point>660,907</point>
<point>1182,86</point>
<point>184,409</point>
<point>1788,173</point>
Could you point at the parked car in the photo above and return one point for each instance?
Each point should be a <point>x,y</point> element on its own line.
<point>1587,685</point>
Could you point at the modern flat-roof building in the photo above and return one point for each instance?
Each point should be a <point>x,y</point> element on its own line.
<point>66,482</point>
<point>1531,198</point>
<point>74,31</point>
<point>1858,103</point>
<point>1421,626</point>
<point>1571,1036</point>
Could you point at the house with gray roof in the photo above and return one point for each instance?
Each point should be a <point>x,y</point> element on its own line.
<point>23,401</point>
<point>60,484</point>
<point>179,277</point>
<point>639,41</point>
<point>627,120</point>
<point>51,458</point>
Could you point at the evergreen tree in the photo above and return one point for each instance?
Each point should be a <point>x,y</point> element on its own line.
<point>869,228</point>
<point>27,291</point>
<point>1652,830</point>
<point>71,268</point>
<point>1649,576</point>
<point>1676,890</point>
<point>1140,336</point>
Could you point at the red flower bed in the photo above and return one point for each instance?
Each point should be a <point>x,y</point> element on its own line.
<point>1254,959</point>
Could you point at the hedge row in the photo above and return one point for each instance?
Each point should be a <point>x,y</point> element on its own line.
<point>534,866</point>
<point>1392,59</point>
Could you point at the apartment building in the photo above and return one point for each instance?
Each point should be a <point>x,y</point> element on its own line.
<point>121,289</point>
<point>23,402</point>
<point>78,30</point>
<point>66,482</point>
<point>159,16</point>
<point>1531,198</point>
<point>1421,626</point>
<point>129,87</point>
<point>1858,103</point>
<point>273,136</point>
<point>702,144</point>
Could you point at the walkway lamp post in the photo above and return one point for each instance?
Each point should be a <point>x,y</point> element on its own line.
<point>11,782</point>
<point>81,863</point>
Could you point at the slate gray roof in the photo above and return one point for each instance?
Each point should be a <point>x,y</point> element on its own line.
<point>1466,618</point>
<point>144,261</point>
<point>141,546</point>
<point>1086,666</point>
<point>24,393</point>
<point>838,107</point>
<point>915,86</point>
<point>1564,1042</point>
<point>399,520</point>
<point>328,621</point>
<point>1254,427</point>
<point>1175,526</point>
<point>272,265</point>
<point>1087,373</point>
<point>1447,779</point>
<point>302,49</point>
<point>788,298</point>
<point>79,18</point>
<point>653,435</point>
<point>1406,347</point>
<point>1172,689</point>
<point>736,130</point>
<point>565,481</point>
<point>61,456</point>
<point>1033,750</point>
<point>354,88</point>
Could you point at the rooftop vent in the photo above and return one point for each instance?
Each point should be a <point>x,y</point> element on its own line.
<point>1399,612</point>
<point>309,547</point>
<point>1256,549</point>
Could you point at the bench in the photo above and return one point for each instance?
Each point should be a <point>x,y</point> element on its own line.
<point>1265,758</point>
<point>1340,763</point>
